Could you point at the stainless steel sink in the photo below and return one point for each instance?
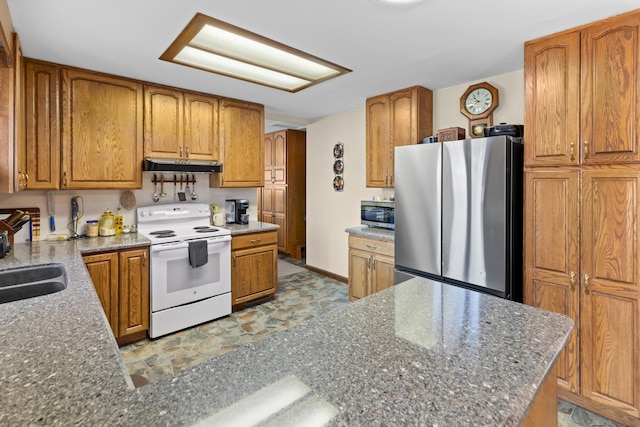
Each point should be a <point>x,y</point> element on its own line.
<point>28,282</point>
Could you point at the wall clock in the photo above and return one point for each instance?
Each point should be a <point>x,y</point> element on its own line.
<point>478,103</point>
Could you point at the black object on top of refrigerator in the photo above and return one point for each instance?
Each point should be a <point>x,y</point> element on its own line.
<point>458,213</point>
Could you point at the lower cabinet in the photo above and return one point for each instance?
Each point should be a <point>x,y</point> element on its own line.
<point>121,279</point>
<point>371,266</point>
<point>254,266</point>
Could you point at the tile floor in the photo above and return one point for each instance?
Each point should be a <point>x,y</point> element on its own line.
<point>300,297</point>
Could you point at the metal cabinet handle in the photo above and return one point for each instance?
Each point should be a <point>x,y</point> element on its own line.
<point>187,150</point>
<point>234,260</point>
<point>572,281</point>
<point>65,179</point>
<point>371,246</point>
<point>255,240</point>
<point>586,150</point>
<point>180,151</point>
<point>374,263</point>
<point>586,284</point>
<point>144,259</point>
<point>573,152</point>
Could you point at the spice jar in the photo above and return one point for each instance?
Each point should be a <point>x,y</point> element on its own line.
<point>92,228</point>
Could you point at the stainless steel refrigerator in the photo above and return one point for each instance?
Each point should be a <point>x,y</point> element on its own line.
<point>458,213</point>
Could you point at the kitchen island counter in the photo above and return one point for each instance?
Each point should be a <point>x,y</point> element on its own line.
<point>419,353</point>
<point>372,232</point>
<point>252,227</point>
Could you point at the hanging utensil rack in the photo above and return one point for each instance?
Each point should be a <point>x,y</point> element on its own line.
<point>177,178</point>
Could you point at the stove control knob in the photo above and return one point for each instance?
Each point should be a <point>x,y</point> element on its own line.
<point>141,213</point>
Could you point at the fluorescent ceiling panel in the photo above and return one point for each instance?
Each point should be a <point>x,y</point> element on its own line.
<point>216,46</point>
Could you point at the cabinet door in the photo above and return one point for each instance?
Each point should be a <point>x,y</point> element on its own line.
<point>610,87</point>
<point>382,271</point>
<point>551,267</point>
<point>17,176</point>
<point>377,147</point>
<point>134,292</point>
<point>103,270</point>
<point>552,100</point>
<point>163,122</point>
<point>253,273</point>
<point>102,131</point>
<point>280,214</point>
<point>610,291</point>
<point>359,279</point>
<point>280,157</point>
<point>241,145</point>
<point>42,135</point>
<point>201,127</point>
<point>268,158</point>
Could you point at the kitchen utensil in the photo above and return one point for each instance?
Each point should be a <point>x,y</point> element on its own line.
<point>187,191</point>
<point>52,211</point>
<point>181,195</point>
<point>128,200</point>
<point>194,196</point>
<point>175,185</point>
<point>162,193</point>
<point>155,188</point>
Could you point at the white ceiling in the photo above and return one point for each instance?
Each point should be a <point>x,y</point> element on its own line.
<point>435,43</point>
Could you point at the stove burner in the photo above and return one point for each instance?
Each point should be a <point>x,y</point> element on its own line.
<point>162,232</point>
<point>164,236</point>
<point>205,230</point>
<point>201,227</point>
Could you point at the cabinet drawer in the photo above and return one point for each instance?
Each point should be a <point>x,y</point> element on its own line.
<point>381,247</point>
<point>253,239</point>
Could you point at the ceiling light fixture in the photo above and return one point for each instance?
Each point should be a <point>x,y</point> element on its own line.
<point>216,46</point>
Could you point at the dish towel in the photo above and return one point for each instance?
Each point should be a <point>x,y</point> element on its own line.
<point>198,254</point>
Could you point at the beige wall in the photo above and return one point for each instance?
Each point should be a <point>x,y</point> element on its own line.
<point>329,212</point>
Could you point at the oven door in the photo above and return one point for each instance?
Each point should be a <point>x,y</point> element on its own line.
<point>174,282</point>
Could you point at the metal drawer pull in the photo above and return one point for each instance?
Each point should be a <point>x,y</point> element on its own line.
<point>586,150</point>
<point>586,284</point>
<point>255,240</point>
<point>371,246</point>
<point>572,281</point>
<point>144,259</point>
<point>573,152</point>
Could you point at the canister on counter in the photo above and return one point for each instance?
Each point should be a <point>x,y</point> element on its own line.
<point>92,228</point>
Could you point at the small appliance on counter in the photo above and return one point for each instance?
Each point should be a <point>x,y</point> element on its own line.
<point>236,211</point>
<point>501,129</point>
<point>378,213</point>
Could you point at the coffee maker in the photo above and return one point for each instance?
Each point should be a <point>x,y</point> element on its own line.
<point>242,217</point>
<point>236,211</point>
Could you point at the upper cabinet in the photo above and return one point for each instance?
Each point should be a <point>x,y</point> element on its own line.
<point>580,89</point>
<point>102,136</point>
<point>398,118</point>
<point>10,179</point>
<point>39,156</point>
<point>179,124</point>
<point>241,145</point>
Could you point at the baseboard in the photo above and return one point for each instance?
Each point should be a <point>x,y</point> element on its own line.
<point>327,273</point>
<point>606,411</point>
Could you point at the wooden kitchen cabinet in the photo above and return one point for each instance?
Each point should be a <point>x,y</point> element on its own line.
<point>102,131</point>
<point>254,266</point>
<point>241,140</point>
<point>371,266</point>
<point>282,200</point>
<point>40,156</point>
<point>121,280</point>
<point>180,124</point>
<point>580,102</point>
<point>582,212</point>
<point>398,118</point>
<point>11,177</point>
<point>583,260</point>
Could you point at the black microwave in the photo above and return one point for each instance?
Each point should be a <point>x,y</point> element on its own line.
<point>378,213</point>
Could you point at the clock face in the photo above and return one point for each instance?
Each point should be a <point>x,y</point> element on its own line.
<point>478,101</point>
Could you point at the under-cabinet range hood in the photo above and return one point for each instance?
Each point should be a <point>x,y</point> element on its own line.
<point>181,165</point>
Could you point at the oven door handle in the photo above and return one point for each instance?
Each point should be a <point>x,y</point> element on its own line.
<point>184,245</point>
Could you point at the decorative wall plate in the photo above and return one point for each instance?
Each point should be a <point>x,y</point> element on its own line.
<point>338,167</point>
<point>338,150</point>
<point>338,183</point>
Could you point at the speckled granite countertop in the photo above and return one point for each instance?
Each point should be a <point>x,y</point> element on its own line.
<point>372,232</point>
<point>252,227</point>
<point>419,353</point>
